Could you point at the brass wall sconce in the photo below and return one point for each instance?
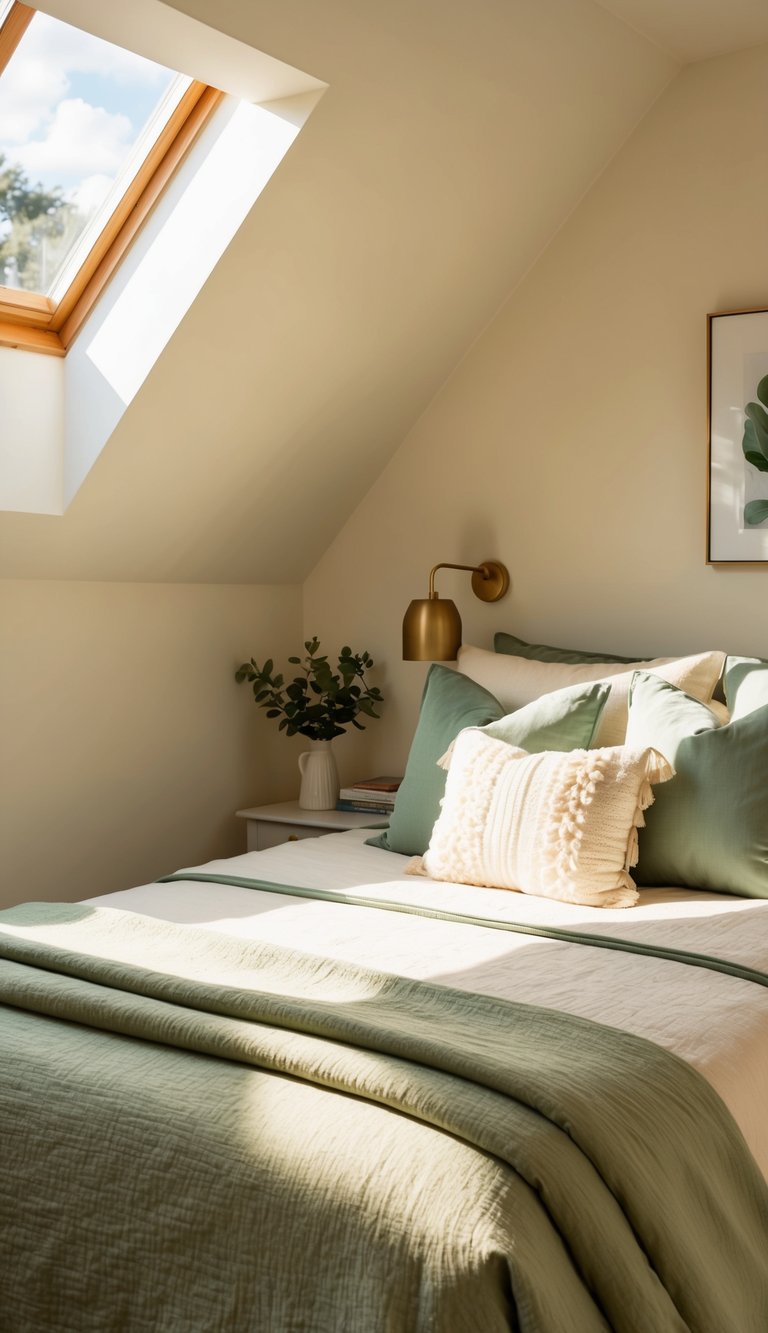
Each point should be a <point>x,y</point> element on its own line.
<point>432,629</point>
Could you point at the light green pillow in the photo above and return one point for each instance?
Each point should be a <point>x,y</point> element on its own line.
<point>541,652</point>
<point>746,684</point>
<point>449,703</point>
<point>708,827</point>
<point>563,720</point>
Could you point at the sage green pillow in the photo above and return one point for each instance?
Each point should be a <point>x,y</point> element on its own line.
<point>563,720</point>
<point>746,684</point>
<point>449,703</point>
<point>541,652</point>
<point>708,826</point>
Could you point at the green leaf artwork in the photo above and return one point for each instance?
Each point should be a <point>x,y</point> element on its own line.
<point>755,449</point>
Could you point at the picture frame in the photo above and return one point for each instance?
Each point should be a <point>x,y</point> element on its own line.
<point>737,478</point>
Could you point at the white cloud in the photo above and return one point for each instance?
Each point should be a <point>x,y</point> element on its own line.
<point>61,46</point>
<point>81,140</point>
<point>39,75</point>
<point>29,90</point>
<point>91,193</point>
<point>52,131</point>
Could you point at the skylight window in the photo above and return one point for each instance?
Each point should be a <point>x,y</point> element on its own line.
<point>89,132</point>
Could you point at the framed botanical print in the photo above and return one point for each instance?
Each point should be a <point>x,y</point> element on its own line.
<point>737,532</point>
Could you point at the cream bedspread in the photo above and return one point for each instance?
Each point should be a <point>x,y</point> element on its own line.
<point>716,1022</point>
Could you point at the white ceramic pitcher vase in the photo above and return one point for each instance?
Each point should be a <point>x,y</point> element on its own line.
<point>319,777</point>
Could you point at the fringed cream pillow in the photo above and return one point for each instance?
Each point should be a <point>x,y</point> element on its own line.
<point>557,825</point>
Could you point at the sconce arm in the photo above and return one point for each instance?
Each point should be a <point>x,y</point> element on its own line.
<point>471,569</point>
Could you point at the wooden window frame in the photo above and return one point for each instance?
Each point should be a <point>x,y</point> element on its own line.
<point>33,322</point>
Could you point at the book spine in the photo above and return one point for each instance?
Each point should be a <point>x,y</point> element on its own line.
<point>384,786</point>
<point>367,805</point>
<point>367,797</point>
<point>364,808</point>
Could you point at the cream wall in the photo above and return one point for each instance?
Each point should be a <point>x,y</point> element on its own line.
<point>126,743</point>
<point>31,442</point>
<point>571,441</point>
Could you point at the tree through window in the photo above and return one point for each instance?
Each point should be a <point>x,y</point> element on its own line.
<point>85,126</point>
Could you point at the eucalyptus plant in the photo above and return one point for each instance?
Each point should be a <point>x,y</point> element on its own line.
<point>755,447</point>
<point>318,703</point>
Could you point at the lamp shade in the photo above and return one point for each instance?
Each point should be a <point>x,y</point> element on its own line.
<point>431,630</point>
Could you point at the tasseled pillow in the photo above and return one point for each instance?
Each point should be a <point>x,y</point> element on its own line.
<point>557,825</point>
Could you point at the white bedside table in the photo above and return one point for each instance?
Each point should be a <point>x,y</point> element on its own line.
<point>269,825</point>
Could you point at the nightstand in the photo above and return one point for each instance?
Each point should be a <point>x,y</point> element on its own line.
<point>269,825</point>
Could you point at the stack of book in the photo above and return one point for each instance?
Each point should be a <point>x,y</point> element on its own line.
<point>374,796</point>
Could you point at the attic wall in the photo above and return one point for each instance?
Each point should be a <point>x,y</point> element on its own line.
<point>126,743</point>
<point>31,431</point>
<point>571,441</point>
<point>452,141</point>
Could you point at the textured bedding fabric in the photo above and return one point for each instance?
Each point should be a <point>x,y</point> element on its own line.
<point>211,1133</point>
<point>717,1023</point>
<point>554,825</point>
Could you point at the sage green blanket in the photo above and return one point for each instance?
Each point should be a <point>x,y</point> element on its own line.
<point>200,1133</point>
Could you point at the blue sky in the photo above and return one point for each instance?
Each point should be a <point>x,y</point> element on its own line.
<point>72,105</point>
<point>136,100</point>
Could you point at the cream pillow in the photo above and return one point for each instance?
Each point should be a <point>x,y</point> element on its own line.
<point>516,681</point>
<point>556,825</point>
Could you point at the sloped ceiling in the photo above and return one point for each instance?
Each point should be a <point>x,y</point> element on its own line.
<point>454,140</point>
<point>694,30</point>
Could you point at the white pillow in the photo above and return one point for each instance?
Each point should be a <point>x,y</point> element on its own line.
<point>516,681</point>
<point>557,825</point>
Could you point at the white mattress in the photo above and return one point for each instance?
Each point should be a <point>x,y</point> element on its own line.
<point>716,1022</point>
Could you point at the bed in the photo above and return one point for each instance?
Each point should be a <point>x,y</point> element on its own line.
<point>406,1222</point>
<point>307,1089</point>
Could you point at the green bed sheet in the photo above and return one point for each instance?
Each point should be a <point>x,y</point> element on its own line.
<point>200,1133</point>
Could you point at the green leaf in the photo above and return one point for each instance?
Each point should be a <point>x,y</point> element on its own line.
<point>757,414</point>
<point>295,661</point>
<point>762,390</point>
<point>757,460</point>
<point>757,419</point>
<point>324,677</point>
<point>366,706</point>
<point>756,511</point>
<point>751,445</point>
